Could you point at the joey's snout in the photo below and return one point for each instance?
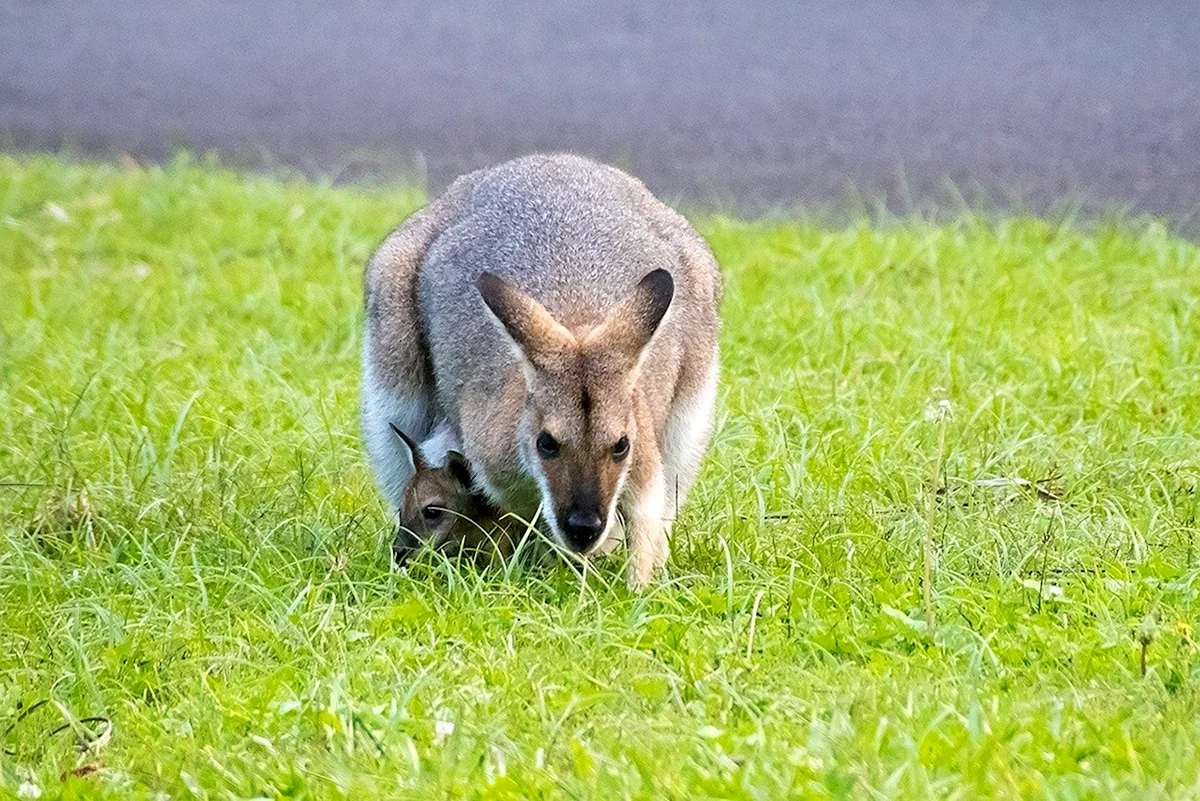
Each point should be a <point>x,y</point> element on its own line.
<point>404,545</point>
<point>582,526</point>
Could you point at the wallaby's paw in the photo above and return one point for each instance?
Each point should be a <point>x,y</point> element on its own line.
<point>639,579</point>
<point>647,562</point>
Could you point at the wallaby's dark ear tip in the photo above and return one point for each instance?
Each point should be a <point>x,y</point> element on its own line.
<point>659,282</point>
<point>460,469</point>
<point>407,440</point>
<point>659,286</point>
<point>403,437</point>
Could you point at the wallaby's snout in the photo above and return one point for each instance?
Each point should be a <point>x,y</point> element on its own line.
<point>583,519</point>
<point>582,527</point>
<point>404,545</point>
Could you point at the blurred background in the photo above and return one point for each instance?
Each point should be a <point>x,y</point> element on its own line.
<point>751,105</point>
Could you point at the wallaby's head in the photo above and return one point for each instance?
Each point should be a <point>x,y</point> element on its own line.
<point>438,506</point>
<point>578,428</point>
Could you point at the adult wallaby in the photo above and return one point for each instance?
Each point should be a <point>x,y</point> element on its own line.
<point>564,322</point>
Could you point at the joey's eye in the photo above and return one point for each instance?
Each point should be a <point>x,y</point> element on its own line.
<point>432,514</point>
<point>547,445</point>
<point>621,449</point>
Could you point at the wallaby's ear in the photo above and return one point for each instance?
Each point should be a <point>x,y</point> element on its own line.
<point>459,469</point>
<point>539,337</point>
<point>413,451</point>
<point>628,328</point>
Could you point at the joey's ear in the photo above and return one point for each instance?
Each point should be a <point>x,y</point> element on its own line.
<point>539,337</point>
<point>413,451</point>
<point>459,469</point>
<point>628,328</point>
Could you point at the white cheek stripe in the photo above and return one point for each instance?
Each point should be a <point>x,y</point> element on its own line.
<point>612,508</point>
<point>533,467</point>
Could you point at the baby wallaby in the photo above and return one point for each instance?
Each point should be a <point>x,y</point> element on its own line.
<point>438,509</point>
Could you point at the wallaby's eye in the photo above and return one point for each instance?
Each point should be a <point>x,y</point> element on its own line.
<point>621,449</point>
<point>432,514</point>
<point>547,445</point>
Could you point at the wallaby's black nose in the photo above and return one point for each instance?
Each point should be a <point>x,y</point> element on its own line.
<point>404,545</point>
<point>583,527</point>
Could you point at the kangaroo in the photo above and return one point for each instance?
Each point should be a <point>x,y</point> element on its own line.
<point>440,510</point>
<point>564,322</point>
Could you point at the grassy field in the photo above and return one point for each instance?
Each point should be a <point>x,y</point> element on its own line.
<point>196,597</point>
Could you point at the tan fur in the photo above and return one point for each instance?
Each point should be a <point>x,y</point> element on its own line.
<point>567,242</point>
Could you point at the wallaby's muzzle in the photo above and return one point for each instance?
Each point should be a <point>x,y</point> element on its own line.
<point>404,545</point>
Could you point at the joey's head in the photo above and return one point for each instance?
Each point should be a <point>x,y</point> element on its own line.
<point>438,504</point>
<point>578,432</point>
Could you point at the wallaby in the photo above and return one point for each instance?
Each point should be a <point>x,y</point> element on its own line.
<point>564,322</point>
<point>440,510</point>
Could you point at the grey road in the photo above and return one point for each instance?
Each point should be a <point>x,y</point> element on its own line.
<point>753,102</point>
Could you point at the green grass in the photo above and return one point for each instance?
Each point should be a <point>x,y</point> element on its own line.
<point>192,549</point>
